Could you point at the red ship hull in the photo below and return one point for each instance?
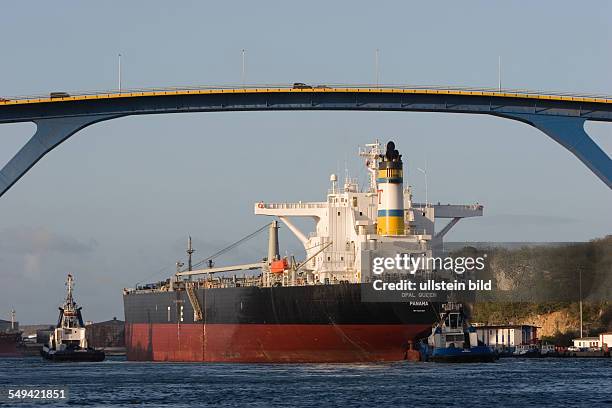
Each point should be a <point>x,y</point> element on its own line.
<point>9,344</point>
<point>262,343</point>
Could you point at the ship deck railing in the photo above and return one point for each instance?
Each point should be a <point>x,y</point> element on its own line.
<point>283,206</point>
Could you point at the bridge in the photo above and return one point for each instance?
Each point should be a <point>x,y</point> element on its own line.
<point>60,115</point>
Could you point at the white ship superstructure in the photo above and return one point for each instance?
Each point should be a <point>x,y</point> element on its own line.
<point>351,227</point>
<point>351,223</point>
<point>70,330</point>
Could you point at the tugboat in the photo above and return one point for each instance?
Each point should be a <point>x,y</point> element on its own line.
<point>452,340</point>
<point>68,341</point>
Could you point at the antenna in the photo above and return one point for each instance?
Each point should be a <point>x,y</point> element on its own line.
<point>424,171</point>
<point>346,170</point>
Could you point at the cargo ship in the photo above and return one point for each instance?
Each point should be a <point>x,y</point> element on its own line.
<point>284,311</point>
<point>10,338</point>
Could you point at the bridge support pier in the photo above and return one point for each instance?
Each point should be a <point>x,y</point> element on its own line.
<point>570,133</point>
<point>49,134</point>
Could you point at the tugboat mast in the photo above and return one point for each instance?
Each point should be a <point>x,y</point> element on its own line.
<point>70,315</point>
<point>69,285</point>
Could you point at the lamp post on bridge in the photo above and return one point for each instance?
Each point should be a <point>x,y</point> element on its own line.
<point>119,72</point>
<point>499,73</point>
<point>376,63</point>
<point>243,78</point>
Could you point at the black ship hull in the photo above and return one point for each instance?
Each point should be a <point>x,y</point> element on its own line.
<point>73,355</point>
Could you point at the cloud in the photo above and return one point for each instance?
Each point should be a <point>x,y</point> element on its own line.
<point>39,241</point>
<point>28,252</point>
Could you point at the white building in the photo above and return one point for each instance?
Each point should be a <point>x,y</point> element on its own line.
<point>602,341</point>
<point>605,340</point>
<point>586,342</point>
<point>505,336</point>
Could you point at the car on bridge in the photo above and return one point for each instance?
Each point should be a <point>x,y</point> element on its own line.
<point>54,95</point>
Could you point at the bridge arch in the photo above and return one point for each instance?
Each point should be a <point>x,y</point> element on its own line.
<point>560,117</point>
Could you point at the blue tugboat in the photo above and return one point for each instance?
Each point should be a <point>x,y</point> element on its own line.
<point>68,341</point>
<point>452,340</point>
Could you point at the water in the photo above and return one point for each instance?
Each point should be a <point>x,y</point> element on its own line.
<point>506,383</point>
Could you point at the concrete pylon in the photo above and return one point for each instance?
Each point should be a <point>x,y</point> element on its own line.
<point>569,132</point>
<point>49,134</point>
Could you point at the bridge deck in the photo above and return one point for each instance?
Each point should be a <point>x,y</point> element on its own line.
<point>459,91</point>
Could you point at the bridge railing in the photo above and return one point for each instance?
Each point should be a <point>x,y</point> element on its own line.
<point>315,86</point>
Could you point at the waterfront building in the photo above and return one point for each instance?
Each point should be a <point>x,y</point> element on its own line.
<point>605,340</point>
<point>587,342</point>
<point>506,336</point>
<point>110,333</point>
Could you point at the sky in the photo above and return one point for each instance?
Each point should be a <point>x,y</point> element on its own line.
<point>114,204</point>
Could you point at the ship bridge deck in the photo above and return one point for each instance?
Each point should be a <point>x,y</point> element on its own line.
<point>307,209</point>
<point>454,210</point>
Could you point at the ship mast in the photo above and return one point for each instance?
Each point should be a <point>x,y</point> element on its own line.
<point>13,319</point>
<point>372,153</point>
<point>70,315</point>
<point>190,252</point>
<point>69,303</point>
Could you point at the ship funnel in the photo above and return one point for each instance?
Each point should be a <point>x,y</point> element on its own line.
<point>390,182</point>
<point>273,250</point>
